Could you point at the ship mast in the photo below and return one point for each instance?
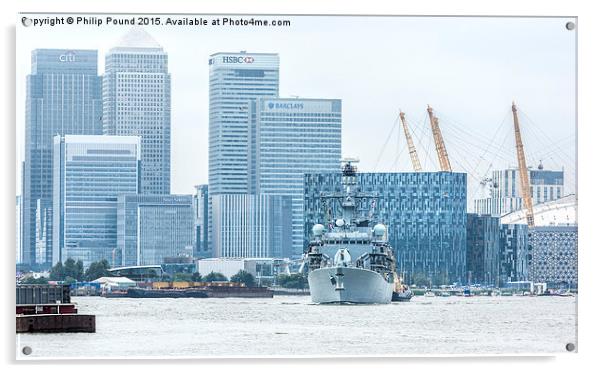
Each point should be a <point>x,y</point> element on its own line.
<point>522,167</point>
<point>439,144</point>
<point>411,147</point>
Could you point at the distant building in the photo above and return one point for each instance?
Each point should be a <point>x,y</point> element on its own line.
<point>89,173</point>
<point>425,213</point>
<point>287,138</point>
<point>63,97</point>
<point>151,228</point>
<point>251,226</point>
<point>553,252</point>
<point>137,101</point>
<point>201,222</point>
<point>514,253</point>
<point>483,249</point>
<point>18,243</point>
<point>546,185</point>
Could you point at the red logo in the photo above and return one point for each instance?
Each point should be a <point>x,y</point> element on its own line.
<point>248,59</point>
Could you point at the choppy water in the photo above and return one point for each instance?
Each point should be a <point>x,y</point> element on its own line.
<point>290,325</point>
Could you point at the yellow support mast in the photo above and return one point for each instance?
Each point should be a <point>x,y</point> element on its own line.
<point>439,144</point>
<point>522,168</point>
<point>411,147</point>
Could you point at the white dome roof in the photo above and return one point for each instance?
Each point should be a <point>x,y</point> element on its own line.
<point>562,211</point>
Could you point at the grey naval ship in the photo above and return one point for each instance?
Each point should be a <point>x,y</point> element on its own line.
<point>349,259</point>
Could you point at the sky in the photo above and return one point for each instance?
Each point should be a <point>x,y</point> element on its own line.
<point>469,69</point>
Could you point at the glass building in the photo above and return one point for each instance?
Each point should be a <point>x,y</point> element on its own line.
<point>63,97</point>
<point>136,94</point>
<point>151,228</point>
<point>201,221</point>
<point>89,173</point>
<point>287,138</point>
<point>546,185</point>
<point>251,225</point>
<point>425,213</point>
<point>234,80</point>
<point>514,255</point>
<point>483,249</point>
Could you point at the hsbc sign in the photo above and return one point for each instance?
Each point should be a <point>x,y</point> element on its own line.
<point>237,59</point>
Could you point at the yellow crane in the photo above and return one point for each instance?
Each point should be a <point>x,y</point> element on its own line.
<point>411,147</point>
<point>439,144</point>
<point>522,169</point>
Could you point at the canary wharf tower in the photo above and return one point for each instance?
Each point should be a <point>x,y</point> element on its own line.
<point>234,80</point>
<point>136,95</point>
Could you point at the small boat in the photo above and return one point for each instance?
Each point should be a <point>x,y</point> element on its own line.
<point>429,294</point>
<point>444,294</point>
<point>401,292</point>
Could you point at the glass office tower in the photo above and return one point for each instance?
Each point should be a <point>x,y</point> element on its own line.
<point>89,173</point>
<point>136,96</point>
<point>425,213</point>
<point>63,98</point>
<point>287,138</point>
<point>234,80</point>
<point>151,228</point>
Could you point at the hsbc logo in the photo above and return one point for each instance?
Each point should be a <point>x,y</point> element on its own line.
<point>237,59</point>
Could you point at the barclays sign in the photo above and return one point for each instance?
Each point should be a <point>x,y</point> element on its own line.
<point>285,105</point>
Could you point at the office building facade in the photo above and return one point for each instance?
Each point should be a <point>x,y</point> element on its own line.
<point>545,186</point>
<point>151,228</point>
<point>136,94</point>
<point>18,241</point>
<point>553,251</point>
<point>234,80</point>
<point>63,97</point>
<point>201,222</point>
<point>483,249</point>
<point>425,214</point>
<point>251,225</point>
<point>287,138</point>
<point>89,173</point>
<point>514,253</point>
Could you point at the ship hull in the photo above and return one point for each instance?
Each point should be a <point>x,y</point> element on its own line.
<point>358,286</point>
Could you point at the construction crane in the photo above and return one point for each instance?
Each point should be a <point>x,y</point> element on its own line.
<point>522,168</point>
<point>411,147</point>
<point>439,144</point>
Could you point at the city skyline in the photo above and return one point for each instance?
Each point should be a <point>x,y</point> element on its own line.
<point>373,96</point>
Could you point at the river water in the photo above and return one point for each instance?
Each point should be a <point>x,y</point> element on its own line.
<point>291,325</point>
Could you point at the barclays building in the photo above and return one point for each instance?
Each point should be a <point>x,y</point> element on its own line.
<point>425,214</point>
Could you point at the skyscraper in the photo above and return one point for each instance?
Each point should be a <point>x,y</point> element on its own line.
<point>201,221</point>
<point>89,173</point>
<point>287,138</point>
<point>63,98</point>
<point>136,93</point>
<point>234,80</point>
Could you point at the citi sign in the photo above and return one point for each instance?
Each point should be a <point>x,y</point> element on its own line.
<point>285,105</point>
<point>67,57</point>
<point>237,59</point>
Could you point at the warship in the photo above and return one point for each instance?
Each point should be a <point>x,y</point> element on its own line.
<point>348,258</point>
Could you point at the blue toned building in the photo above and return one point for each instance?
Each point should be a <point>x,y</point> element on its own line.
<point>63,97</point>
<point>234,80</point>
<point>151,228</point>
<point>251,225</point>
<point>483,249</point>
<point>425,214</point>
<point>201,221</point>
<point>136,95</point>
<point>287,138</point>
<point>89,173</point>
<point>514,253</point>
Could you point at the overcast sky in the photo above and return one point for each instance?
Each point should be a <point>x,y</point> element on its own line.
<point>468,69</point>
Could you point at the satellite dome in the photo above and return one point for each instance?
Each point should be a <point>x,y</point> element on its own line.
<point>379,230</point>
<point>317,230</point>
<point>340,222</point>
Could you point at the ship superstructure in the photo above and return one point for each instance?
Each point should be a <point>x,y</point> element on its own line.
<point>349,259</point>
